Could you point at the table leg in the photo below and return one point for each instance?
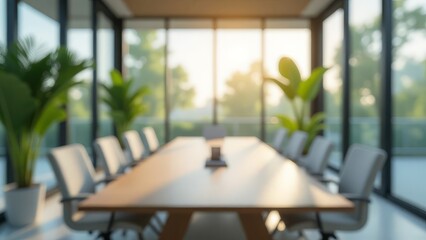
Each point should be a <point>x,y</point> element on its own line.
<point>176,226</point>
<point>254,226</point>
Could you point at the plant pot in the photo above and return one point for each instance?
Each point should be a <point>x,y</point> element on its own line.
<point>24,205</point>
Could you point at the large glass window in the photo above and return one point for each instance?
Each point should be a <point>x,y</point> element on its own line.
<point>39,20</point>
<point>3,22</point>
<point>239,76</point>
<point>190,73</point>
<point>282,41</point>
<point>409,86</point>
<point>143,55</point>
<point>333,58</point>
<point>2,136</point>
<point>104,65</point>
<point>365,70</point>
<point>80,41</point>
<point>365,64</point>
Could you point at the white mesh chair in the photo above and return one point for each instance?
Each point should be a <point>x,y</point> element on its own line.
<point>150,140</point>
<point>134,145</point>
<point>294,148</point>
<point>76,181</point>
<point>214,132</point>
<point>360,168</point>
<point>111,156</point>
<point>317,158</point>
<point>279,139</point>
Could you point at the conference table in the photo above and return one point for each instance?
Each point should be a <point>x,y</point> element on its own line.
<point>176,180</point>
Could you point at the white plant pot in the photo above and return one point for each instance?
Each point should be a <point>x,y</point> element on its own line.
<point>24,205</point>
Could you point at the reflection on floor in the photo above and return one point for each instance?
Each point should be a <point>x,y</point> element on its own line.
<point>386,221</point>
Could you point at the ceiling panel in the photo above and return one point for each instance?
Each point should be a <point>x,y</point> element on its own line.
<point>218,8</point>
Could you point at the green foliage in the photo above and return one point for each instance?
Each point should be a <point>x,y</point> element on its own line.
<point>32,94</point>
<point>241,98</point>
<point>147,51</point>
<point>124,101</point>
<point>304,91</point>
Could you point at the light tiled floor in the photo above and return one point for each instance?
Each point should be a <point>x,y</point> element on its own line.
<point>386,222</point>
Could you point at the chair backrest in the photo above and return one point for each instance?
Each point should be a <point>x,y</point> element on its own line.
<point>73,170</point>
<point>362,163</point>
<point>75,175</point>
<point>134,145</point>
<point>214,132</point>
<point>150,139</point>
<point>319,153</point>
<point>110,154</point>
<point>294,148</point>
<point>279,138</point>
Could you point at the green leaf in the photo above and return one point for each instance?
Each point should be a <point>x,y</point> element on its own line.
<point>16,104</point>
<point>290,71</point>
<point>287,90</point>
<point>37,73</point>
<point>287,122</point>
<point>309,88</point>
<point>116,77</point>
<point>316,120</point>
<point>124,101</point>
<point>51,113</point>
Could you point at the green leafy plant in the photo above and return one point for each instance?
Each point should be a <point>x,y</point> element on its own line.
<point>300,93</point>
<point>124,101</point>
<point>33,91</point>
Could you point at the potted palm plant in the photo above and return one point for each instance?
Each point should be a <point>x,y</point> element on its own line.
<point>33,90</point>
<point>300,92</point>
<point>124,101</point>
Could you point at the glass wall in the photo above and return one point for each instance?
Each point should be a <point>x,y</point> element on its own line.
<point>143,60</point>
<point>190,76</point>
<point>80,41</point>
<point>365,70</point>
<point>365,64</point>
<point>332,57</point>
<point>283,40</point>
<point>104,65</point>
<point>239,76</point>
<point>2,136</point>
<point>39,20</point>
<point>409,111</point>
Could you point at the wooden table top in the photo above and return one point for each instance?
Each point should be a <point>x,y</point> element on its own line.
<point>176,179</point>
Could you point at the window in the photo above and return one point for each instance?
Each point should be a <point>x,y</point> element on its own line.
<point>190,73</point>
<point>409,112</point>
<point>143,55</point>
<point>104,65</point>
<point>80,41</point>
<point>239,76</point>
<point>365,70</point>
<point>280,41</point>
<point>38,19</point>
<point>332,57</point>
<point>2,136</point>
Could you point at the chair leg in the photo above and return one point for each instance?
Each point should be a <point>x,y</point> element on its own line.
<point>327,236</point>
<point>104,235</point>
<point>140,236</point>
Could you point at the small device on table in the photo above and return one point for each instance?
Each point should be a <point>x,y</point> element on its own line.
<point>216,158</point>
